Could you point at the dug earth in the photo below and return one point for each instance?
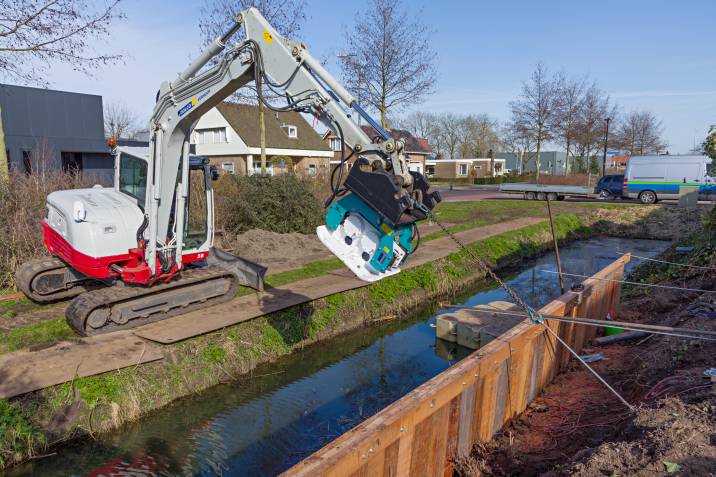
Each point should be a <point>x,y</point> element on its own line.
<point>577,427</point>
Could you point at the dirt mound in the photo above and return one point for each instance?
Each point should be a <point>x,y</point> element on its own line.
<point>278,251</point>
<point>578,428</point>
<point>676,438</point>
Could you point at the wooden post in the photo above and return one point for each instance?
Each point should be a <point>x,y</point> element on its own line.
<point>556,247</point>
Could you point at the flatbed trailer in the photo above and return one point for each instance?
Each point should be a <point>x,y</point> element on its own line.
<point>545,191</point>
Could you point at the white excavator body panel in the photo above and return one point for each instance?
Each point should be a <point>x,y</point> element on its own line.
<point>97,222</point>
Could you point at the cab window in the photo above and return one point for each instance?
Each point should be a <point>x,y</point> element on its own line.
<point>133,178</point>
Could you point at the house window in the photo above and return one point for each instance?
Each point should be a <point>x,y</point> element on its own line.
<point>210,136</point>
<point>335,144</point>
<point>228,167</point>
<point>257,168</point>
<point>312,170</point>
<point>462,169</point>
<point>292,131</point>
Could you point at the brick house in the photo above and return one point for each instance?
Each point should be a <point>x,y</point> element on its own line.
<point>229,136</point>
<point>417,149</point>
<point>465,168</point>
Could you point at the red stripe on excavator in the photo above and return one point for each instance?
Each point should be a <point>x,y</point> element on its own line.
<point>100,267</point>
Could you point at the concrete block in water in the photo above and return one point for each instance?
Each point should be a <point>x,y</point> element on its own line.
<point>475,328</point>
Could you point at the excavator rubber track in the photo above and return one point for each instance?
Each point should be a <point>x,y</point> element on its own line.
<point>125,307</point>
<point>28,274</point>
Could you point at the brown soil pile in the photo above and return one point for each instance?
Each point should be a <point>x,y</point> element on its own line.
<point>577,427</point>
<point>278,251</point>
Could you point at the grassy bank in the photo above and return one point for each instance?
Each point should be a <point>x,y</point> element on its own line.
<point>100,403</point>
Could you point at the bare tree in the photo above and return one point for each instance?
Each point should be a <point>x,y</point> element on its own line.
<point>37,33</point>
<point>589,128</point>
<point>517,141</point>
<point>479,134</point>
<point>535,111</point>
<point>286,16</point>
<point>569,102</point>
<point>419,123</point>
<point>120,121</point>
<point>449,135</point>
<point>390,59</point>
<point>640,133</point>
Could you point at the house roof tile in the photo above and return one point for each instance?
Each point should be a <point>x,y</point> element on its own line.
<point>413,144</point>
<point>244,119</point>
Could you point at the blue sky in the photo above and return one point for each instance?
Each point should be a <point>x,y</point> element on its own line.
<point>657,55</point>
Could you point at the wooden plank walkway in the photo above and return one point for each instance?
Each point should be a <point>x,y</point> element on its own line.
<point>25,371</point>
<point>423,432</point>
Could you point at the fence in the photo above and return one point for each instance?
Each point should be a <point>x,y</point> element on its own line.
<point>424,431</point>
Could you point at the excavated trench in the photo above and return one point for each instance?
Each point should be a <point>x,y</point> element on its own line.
<point>263,423</point>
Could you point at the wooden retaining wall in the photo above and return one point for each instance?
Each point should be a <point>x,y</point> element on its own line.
<point>424,431</point>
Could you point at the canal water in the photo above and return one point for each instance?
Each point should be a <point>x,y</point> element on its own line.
<point>263,424</point>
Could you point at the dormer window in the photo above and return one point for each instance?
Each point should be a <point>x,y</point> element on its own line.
<point>291,130</point>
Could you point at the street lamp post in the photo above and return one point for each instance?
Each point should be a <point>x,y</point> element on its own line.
<point>606,141</point>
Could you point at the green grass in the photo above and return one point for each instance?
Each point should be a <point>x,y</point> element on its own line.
<point>310,270</point>
<point>38,333</point>
<point>473,214</point>
<point>17,434</point>
<point>94,390</point>
<point>213,354</point>
<point>11,308</point>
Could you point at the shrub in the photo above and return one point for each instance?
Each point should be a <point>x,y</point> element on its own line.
<point>22,206</point>
<point>284,203</point>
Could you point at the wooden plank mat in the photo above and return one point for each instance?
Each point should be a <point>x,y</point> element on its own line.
<point>252,306</point>
<point>25,371</point>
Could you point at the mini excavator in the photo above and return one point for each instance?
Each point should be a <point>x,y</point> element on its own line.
<point>130,254</point>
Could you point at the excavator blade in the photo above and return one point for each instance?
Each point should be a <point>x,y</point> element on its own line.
<point>247,273</point>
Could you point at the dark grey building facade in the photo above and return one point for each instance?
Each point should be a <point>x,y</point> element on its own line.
<point>54,130</point>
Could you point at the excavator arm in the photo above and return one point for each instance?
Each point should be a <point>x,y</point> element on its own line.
<point>371,222</point>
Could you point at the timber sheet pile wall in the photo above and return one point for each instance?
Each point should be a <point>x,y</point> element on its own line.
<point>424,431</point>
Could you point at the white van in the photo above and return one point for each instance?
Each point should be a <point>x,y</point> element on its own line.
<point>652,178</point>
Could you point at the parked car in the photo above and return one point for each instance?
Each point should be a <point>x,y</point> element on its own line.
<point>610,186</point>
<point>653,178</point>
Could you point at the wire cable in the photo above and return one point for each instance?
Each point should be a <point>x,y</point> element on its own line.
<point>686,333</point>
<point>686,265</point>
<point>651,285</point>
<point>529,311</point>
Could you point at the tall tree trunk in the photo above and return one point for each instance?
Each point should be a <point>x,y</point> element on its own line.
<point>262,131</point>
<point>566,160</point>
<point>539,147</point>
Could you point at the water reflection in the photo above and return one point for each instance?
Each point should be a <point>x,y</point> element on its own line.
<point>263,425</point>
